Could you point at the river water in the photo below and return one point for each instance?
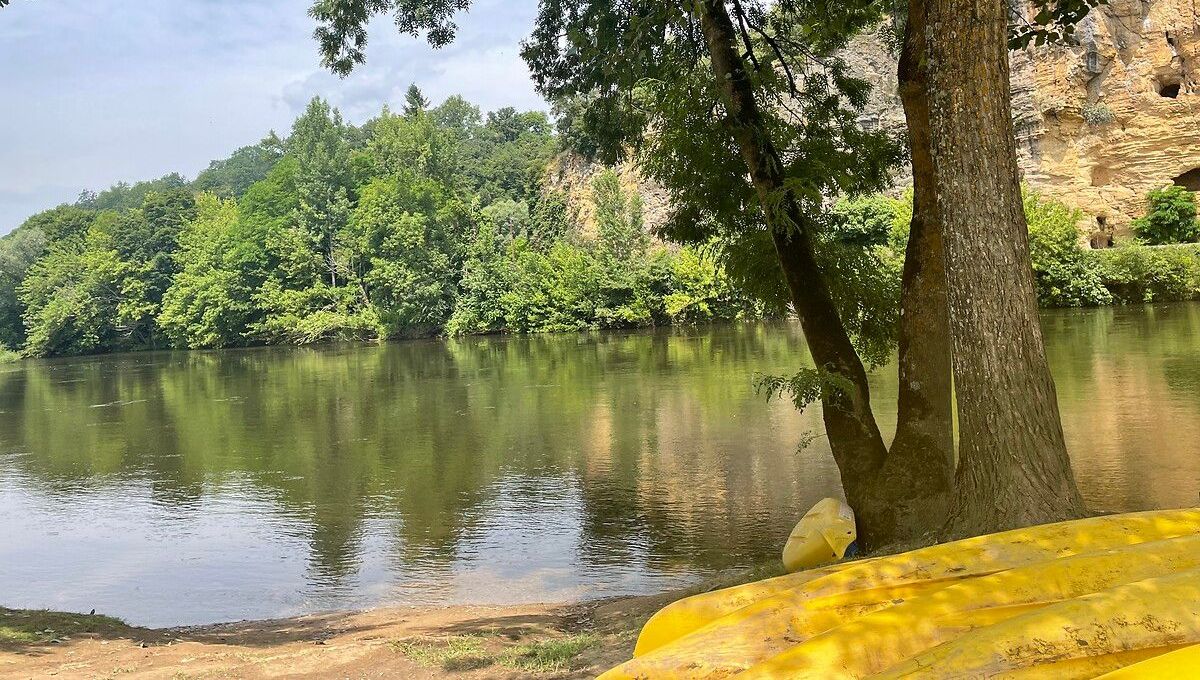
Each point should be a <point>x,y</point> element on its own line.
<point>188,488</point>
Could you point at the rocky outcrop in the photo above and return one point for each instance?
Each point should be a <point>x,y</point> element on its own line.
<point>572,174</point>
<point>1098,124</point>
<point>1118,115</point>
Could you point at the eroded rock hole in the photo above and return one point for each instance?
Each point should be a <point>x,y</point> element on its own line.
<point>1102,238</point>
<point>1189,180</point>
<point>1168,88</point>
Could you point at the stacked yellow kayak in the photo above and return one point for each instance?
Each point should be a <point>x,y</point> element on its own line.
<point>1115,594</point>
<point>1180,665</point>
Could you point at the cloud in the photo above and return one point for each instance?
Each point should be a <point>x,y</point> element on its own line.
<point>100,91</point>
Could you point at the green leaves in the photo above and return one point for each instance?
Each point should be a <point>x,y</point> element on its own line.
<point>409,231</point>
<point>408,225</point>
<point>72,298</point>
<point>1171,217</point>
<point>619,279</point>
<point>1052,21</point>
<point>209,301</point>
<point>804,388</point>
<point>231,177</point>
<point>1064,274</point>
<point>342,25</point>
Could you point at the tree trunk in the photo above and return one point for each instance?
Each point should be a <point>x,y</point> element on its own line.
<point>1013,465</point>
<point>919,472</point>
<point>854,436</point>
<point>329,262</point>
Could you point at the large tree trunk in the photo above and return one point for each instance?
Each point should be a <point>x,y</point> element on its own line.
<point>1013,465</point>
<point>854,436</point>
<point>921,462</point>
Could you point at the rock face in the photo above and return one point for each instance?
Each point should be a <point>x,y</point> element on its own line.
<point>573,174</point>
<point>1117,116</point>
<point>1098,125</point>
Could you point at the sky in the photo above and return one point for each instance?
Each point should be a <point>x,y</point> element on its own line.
<point>101,91</point>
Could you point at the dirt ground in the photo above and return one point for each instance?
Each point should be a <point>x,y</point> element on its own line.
<point>464,643</point>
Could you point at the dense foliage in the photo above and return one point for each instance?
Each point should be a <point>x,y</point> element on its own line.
<point>434,220</point>
<point>1067,274</point>
<point>1171,217</point>
<point>636,79</point>
<point>1136,273</point>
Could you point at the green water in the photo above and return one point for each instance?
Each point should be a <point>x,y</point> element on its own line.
<point>189,488</point>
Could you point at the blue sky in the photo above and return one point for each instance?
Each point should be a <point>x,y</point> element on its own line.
<point>97,91</point>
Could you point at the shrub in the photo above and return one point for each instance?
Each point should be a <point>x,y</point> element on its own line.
<point>1097,114</point>
<point>865,221</point>
<point>701,292</point>
<point>1171,219</point>
<point>1064,273</point>
<point>1136,273</point>
<point>862,255</point>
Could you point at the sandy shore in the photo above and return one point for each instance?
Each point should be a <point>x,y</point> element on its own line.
<point>469,643</point>
<point>575,641</point>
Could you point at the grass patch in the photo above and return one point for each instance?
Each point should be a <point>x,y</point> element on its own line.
<point>471,652</point>
<point>7,356</point>
<point>19,626</point>
<point>15,635</point>
<point>549,656</point>
<point>459,653</point>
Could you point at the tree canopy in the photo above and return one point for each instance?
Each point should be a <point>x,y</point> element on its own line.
<point>439,219</point>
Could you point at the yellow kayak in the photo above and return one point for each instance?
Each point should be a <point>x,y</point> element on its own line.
<point>1183,664</point>
<point>702,635</point>
<point>692,613</point>
<point>823,535</point>
<point>883,639</point>
<point>1080,638</point>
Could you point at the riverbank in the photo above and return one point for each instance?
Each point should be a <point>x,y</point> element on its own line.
<point>430,643</point>
<point>575,641</point>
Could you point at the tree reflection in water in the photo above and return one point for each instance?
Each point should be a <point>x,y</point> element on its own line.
<point>266,482</point>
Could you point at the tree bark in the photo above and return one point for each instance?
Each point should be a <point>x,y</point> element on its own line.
<point>854,436</point>
<point>919,472</point>
<point>1013,465</point>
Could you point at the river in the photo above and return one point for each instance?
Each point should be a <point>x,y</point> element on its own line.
<point>188,488</point>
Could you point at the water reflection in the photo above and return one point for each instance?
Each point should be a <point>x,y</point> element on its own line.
<point>186,488</point>
<point>1129,385</point>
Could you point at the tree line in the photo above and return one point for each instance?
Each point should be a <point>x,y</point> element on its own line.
<point>430,220</point>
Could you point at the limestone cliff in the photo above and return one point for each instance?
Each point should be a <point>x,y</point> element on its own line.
<point>1118,115</point>
<point>572,174</point>
<point>1100,124</point>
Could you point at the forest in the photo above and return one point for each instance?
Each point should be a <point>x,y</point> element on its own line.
<point>440,220</point>
<point>428,221</point>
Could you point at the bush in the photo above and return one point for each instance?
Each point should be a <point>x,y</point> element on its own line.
<point>1064,273</point>
<point>862,255</point>
<point>701,292</point>
<point>1097,114</point>
<point>1172,218</point>
<point>865,221</point>
<point>1135,273</point>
